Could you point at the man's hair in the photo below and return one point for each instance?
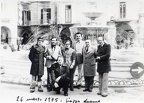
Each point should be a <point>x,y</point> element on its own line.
<point>78,33</point>
<point>53,38</point>
<point>39,39</point>
<point>88,40</point>
<point>60,56</point>
<point>101,37</point>
<point>67,41</point>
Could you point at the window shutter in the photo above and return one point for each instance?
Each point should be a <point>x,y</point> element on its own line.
<point>29,15</point>
<point>27,12</point>
<point>22,15</point>
<point>49,13</point>
<point>41,13</point>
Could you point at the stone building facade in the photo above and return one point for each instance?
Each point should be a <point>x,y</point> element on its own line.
<point>24,21</point>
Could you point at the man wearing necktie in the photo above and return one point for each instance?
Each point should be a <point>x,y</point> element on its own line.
<point>52,53</point>
<point>89,55</point>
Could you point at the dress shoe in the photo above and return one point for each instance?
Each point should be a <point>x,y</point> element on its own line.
<point>98,93</point>
<point>90,90</point>
<point>32,90</point>
<point>79,86</point>
<point>65,94</point>
<point>85,90</point>
<point>71,89</point>
<point>49,89</point>
<point>40,89</point>
<point>32,87</point>
<point>104,95</point>
<point>57,92</point>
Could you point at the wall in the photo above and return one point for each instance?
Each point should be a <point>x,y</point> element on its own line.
<point>9,18</point>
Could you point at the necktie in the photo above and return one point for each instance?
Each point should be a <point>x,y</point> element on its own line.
<point>86,49</point>
<point>54,48</point>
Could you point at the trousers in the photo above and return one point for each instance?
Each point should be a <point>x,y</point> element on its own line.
<point>89,82</point>
<point>103,83</point>
<point>63,83</point>
<point>80,74</point>
<point>49,78</point>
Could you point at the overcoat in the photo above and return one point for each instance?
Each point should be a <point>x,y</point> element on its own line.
<point>103,52</point>
<point>89,61</point>
<point>36,56</point>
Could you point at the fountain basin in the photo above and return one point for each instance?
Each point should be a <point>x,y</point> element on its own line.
<point>92,15</point>
<point>93,31</point>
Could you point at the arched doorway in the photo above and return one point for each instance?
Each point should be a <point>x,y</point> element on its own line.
<point>65,34</point>
<point>5,35</point>
<point>26,35</point>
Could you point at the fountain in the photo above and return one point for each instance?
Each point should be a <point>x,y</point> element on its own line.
<point>122,63</point>
<point>93,29</point>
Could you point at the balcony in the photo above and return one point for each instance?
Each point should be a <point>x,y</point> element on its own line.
<point>25,23</point>
<point>45,22</point>
<point>122,20</point>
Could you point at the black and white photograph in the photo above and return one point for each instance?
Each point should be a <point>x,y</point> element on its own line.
<point>72,51</point>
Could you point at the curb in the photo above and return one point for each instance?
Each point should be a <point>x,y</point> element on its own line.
<point>110,86</point>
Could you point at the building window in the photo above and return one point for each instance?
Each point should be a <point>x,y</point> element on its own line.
<point>122,9</point>
<point>45,15</point>
<point>26,17</point>
<point>68,14</point>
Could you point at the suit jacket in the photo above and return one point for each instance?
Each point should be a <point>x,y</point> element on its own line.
<point>104,62</point>
<point>53,53</point>
<point>89,61</point>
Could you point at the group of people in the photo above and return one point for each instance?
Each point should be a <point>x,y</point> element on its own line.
<point>62,62</point>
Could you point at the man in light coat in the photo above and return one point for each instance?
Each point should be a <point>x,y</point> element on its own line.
<point>89,65</point>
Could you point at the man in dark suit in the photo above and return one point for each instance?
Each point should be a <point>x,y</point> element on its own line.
<point>60,76</point>
<point>103,66</point>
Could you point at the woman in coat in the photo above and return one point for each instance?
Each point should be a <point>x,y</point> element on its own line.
<point>89,63</point>
<point>36,57</point>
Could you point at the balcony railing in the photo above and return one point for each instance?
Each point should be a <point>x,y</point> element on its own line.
<point>45,22</point>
